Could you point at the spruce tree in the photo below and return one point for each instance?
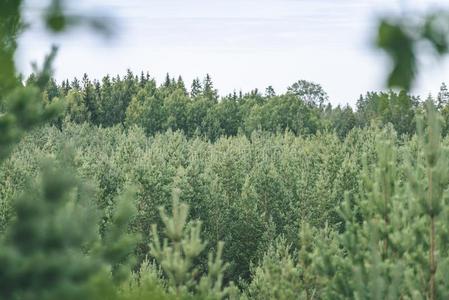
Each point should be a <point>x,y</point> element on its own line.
<point>443,97</point>
<point>180,85</point>
<point>89,99</point>
<point>209,92</point>
<point>196,88</point>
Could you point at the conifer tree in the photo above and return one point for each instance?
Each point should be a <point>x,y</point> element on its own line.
<point>52,89</point>
<point>196,88</point>
<point>180,85</point>
<point>77,109</point>
<point>167,81</point>
<point>143,79</point>
<point>65,86</point>
<point>443,97</point>
<point>88,92</point>
<point>51,248</point>
<point>75,84</point>
<point>177,252</point>
<point>209,92</point>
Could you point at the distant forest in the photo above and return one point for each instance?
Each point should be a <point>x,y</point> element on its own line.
<point>199,111</point>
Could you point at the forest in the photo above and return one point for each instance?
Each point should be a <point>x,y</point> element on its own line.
<point>125,188</point>
<point>198,111</point>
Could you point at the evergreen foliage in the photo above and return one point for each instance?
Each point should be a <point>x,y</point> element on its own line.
<point>303,109</point>
<point>292,198</point>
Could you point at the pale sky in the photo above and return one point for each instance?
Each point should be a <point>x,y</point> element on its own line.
<point>242,44</point>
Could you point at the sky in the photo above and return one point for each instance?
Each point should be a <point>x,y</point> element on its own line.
<point>242,44</point>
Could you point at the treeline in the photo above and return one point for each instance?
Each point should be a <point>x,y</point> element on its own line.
<point>198,111</point>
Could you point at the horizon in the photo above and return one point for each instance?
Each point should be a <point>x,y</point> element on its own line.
<point>319,41</point>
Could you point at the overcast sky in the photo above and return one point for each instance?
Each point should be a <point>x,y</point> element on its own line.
<point>243,44</point>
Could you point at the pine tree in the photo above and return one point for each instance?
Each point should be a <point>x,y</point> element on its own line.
<point>176,255</point>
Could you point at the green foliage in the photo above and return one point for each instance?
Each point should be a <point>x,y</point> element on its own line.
<point>76,107</point>
<point>23,109</point>
<point>277,276</point>
<point>52,248</point>
<point>367,194</point>
<point>309,92</point>
<point>39,249</point>
<point>178,251</point>
<point>10,26</point>
<point>398,109</point>
<point>145,110</point>
<point>400,38</point>
<point>393,244</point>
<point>134,100</point>
<point>58,19</point>
<point>145,284</point>
<point>288,273</point>
<point>246,191</point>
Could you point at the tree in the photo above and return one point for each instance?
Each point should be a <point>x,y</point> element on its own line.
<point>269,92</point>
<point>146,110</point>
<point>180,85</point>
<point>167,81</point>
<point>209,92</point>
<point>282,113</point>
<point>43,251</point>
<point>228,116</point>
<point>309,92</point>
<point>343,120</point>
<point>392,107</point>
<point>77,109</point>
<point>52,89</point>
<point>89,99</point>
<point>178,251</point>
<point>65,87</point>
<point>144,78</point>
<point>196,88</point>
<point>443,97</point>
<point>12,24</point>
<point>175,108</point>
<point>51,249</point>
<point>75,84</point>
